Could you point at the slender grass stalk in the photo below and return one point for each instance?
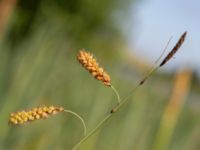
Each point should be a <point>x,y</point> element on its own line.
<point>115,109</point>
<point>116,93</point>
<point>92,132</point>
<point>153,68</point>
<point>164,50</point>
<point>80,118</point>
<point>125,100</point>
<point>151,71</point>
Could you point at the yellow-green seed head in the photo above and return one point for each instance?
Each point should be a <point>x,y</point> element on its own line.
<point>22,117</point>
<point>89,63</point>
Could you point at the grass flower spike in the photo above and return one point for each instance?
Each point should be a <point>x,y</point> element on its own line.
<point>43,112</point>
<point>88,61</point>
<point>174,49</point>
<point>22,117</point>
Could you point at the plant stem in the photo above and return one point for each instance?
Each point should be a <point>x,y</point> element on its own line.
<point>92,132</point>
<point>115,109</point>
<point>80,118</point>
<point>117,94</point>
<point>163,52</point>
<point>120,103</point>
<point>124,100</point>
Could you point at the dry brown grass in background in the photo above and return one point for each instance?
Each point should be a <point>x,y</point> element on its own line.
<point>6,8</point>
<point>173,109</point>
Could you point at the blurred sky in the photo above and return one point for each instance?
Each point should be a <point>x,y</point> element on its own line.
<point>156,21</point>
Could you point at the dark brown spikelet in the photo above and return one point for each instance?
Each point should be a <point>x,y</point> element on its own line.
<point>22,117</point>
<point>142,82</point>
<point>175,49</point>
<point>88,61</point>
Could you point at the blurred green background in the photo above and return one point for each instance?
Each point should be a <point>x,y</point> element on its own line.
<point>39,41</point>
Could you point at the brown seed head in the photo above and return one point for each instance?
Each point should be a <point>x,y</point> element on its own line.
<point>87,60</point>
<point>22,117</point>
<point>174,49</point>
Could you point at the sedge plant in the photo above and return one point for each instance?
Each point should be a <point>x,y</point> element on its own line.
<point>100,76</point>
<point>88,61</point>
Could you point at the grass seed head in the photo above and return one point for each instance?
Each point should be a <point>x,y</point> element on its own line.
<point>22,117</point>
<point>88,61</point>
<point>174,49</point>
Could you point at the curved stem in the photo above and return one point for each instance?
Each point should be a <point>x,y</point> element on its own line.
<point>116,108</point>
<point>153,68</point>
<point>124,100</point>
<point>92,132</point>
<point>80,118</point>
<point>159,58</point>
<point>116,93</point>
<point>120,103</point>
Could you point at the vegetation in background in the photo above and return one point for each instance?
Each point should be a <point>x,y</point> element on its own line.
<point>37,67</point>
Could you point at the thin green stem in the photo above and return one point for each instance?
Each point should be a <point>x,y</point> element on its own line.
<point>80,118</point>
<point>115,109</point>
<point>153,68</point>
<point>117,94</point>
<point>121,102</point>
<point>151,71</point>
<point>92,132</point>
<point>163,52</point>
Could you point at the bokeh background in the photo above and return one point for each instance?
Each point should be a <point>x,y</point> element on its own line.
<point>39,41</point>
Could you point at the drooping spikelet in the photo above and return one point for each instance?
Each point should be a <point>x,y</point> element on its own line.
<point>88,61</point>
<point>22,117</point>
